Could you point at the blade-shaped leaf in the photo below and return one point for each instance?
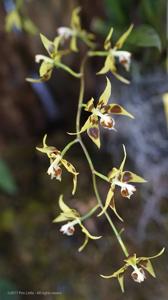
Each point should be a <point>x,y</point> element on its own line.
<point>145,36</point>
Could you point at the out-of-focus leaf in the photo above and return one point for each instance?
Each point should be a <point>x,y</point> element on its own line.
<point>165,102</point>
<point>7,182</point>
<point>6,289</point>
<point>145,36</point>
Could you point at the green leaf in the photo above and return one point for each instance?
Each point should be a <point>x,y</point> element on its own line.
<point>145,36</point>
<point>7,182</point>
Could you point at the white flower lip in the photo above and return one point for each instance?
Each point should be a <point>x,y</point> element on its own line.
<point>127,189</point>
<point>54,170</point>
<point>107,122</point>
<point>40,57</point>
<point>67,229</point>
<point>65,32</point>
<point>138,275</point>
<point>124,58</point>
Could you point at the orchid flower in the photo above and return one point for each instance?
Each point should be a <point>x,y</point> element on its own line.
<point>56,163</point>
<point>75,31</point>
<point>73,218</point>
<point>103,110</point>
<point>53,60</point>
<point>124,57</point>
<point>139,266</point>
<point>121,178</point>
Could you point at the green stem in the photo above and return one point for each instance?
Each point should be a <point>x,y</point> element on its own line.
<point>101,176</point>
<point>97,53</point>
<point>80,102</point>
<point>81,94</point>
<point>90,213</point>
<point>68,147</point>
<point>67,69</point>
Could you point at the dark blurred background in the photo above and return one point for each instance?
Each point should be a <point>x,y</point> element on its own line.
<point>34,255</point>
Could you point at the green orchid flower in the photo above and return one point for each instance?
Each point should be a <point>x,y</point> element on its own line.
<point>52,61</point>
<point>73,218</point>
<point>139,265</point>
<point>103,110</point>
<point>113,53</point>
<point>56,163</point>
<point>121,178</point>
<point>75,31</point>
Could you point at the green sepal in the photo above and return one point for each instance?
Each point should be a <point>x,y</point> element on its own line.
<point>105,96</point>
<point>123,38</point>
<point>107,43</point>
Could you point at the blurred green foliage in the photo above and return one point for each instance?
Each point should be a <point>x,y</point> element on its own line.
<point>7,182</point>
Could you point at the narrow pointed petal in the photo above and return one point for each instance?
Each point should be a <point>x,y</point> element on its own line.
<point>70,168</point>
<point>147,265</point>
<point>123,161</point>
<point>86,232</point>
<point>109,197</point>
<point>64,207</point>
<point>112,206</point>
<point>121,282</point>
<point>87,125</point>
<point>75,19</point>
<point>151,257</point>
<point>90,105</point>
<point>93,131</point>
<point>73,44</point>
<point>45,70</point>
<point>123,38</point>
<point>128,176</point>
<point>35,80</point>
<point>109,65</point>
<point>116,109</point>
<point>48,45</point>
<point>113,173</point>
<point>107,43</point>
<point>122,79</point>
<point>105,96</point>
<point>84,243</point>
